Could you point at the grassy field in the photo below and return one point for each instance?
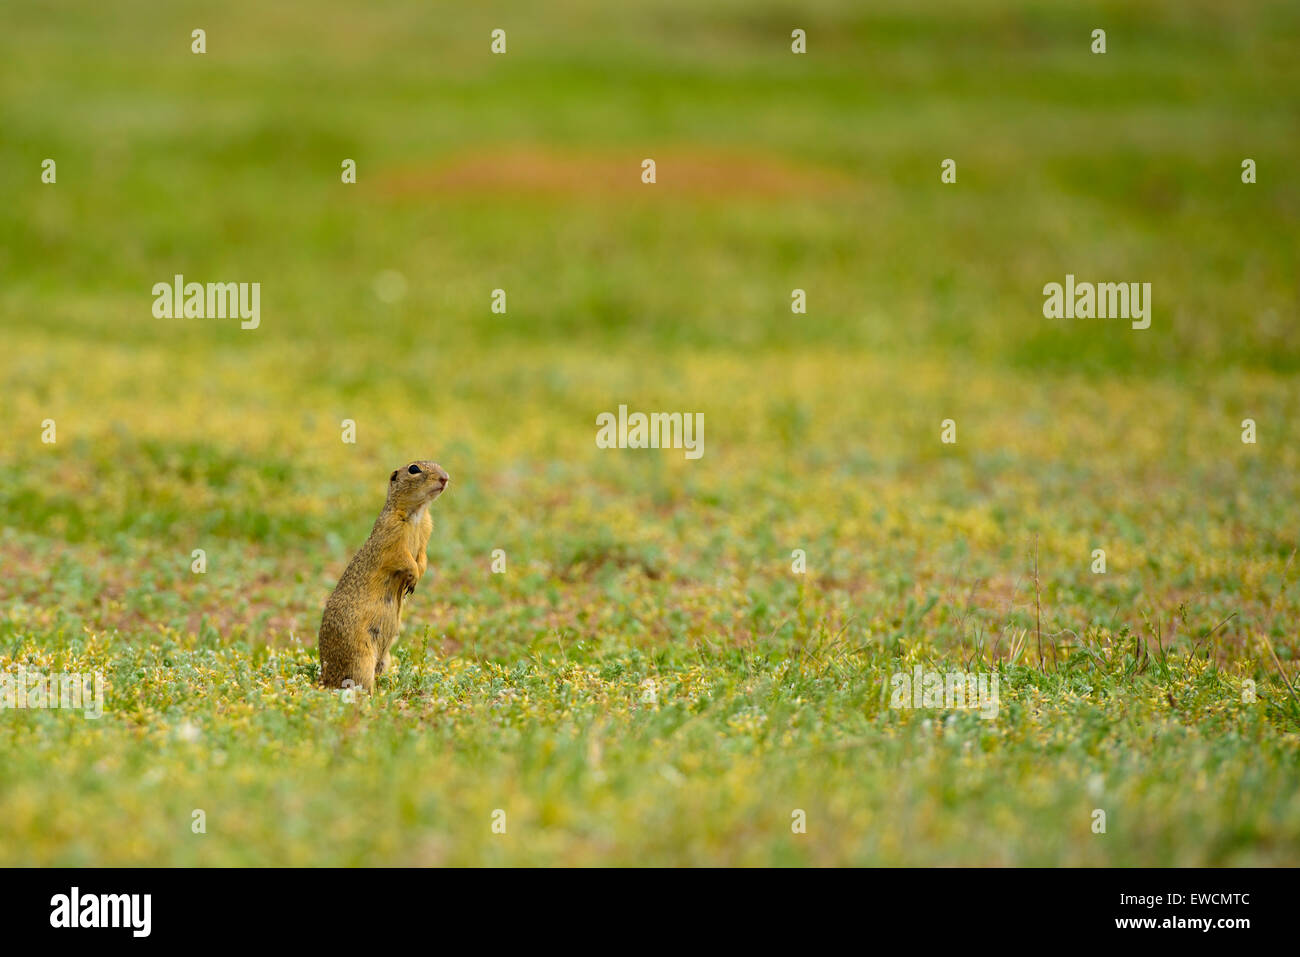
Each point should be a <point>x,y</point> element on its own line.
<point>650,682</point>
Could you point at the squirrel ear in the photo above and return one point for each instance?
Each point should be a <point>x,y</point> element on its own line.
<point>393,477</point>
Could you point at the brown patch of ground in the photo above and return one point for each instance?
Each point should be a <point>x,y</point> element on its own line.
<point>261,605</point>
<point>535,170</point>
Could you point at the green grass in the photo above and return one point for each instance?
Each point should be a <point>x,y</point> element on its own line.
<point>526,692</point>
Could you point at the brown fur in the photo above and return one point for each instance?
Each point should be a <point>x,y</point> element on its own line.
<point>364,612</point>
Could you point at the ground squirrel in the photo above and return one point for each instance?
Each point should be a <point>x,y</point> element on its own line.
<point>362,615</point>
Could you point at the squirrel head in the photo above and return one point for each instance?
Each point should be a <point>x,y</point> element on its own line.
<point>414,486</point>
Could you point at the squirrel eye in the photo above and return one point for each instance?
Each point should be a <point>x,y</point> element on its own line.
<point>414,470</point>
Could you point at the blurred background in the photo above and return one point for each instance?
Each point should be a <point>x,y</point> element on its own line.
<point>521,172</point>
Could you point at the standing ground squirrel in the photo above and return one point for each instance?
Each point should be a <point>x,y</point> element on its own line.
<point>362,616</point>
